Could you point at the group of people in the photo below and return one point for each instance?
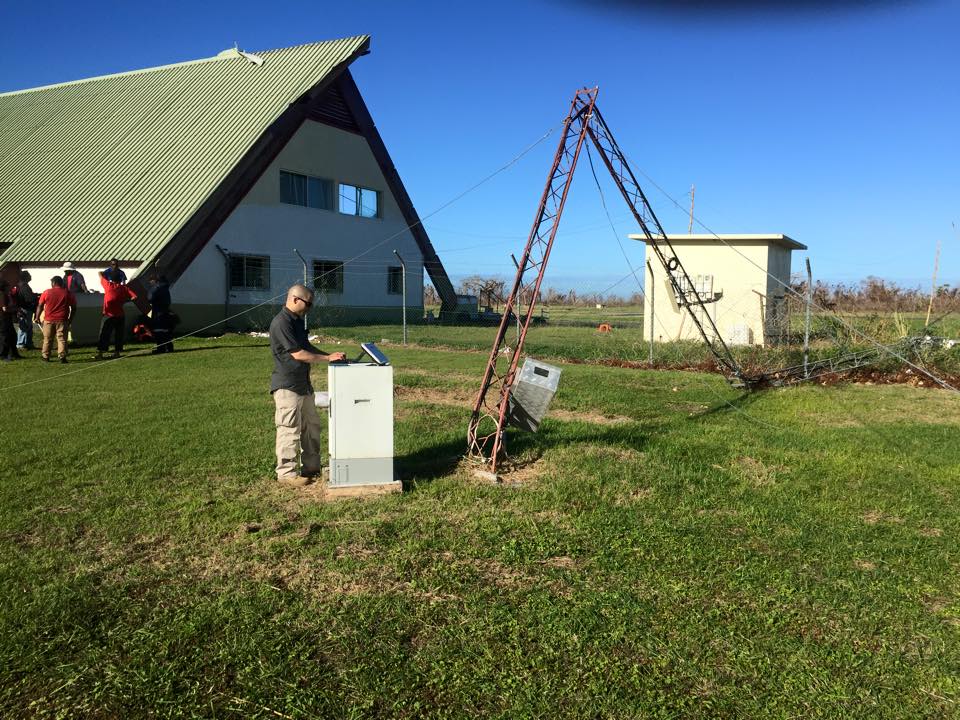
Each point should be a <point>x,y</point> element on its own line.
<point>55,307</point>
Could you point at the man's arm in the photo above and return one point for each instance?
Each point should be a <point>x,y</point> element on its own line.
<point>309,356</point>
<point>36,313</point>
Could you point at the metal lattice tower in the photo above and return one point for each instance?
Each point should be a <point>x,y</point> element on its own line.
<point>485,434</point>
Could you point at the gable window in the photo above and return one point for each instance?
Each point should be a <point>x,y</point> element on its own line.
<point>249,272</point>
<point>394,280</point>
<point>359,201</point>
<point>328,276</point>
<point>306,190</point>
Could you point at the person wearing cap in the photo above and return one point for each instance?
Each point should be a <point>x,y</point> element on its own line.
<point>298,425</point>
<point>72,279</point>
<point>113,322</point>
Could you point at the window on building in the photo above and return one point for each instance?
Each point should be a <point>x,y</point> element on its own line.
<point>328,276</point>
<point>306,190</point>
<point>394,280</point>
<point>249,272</point>
<point>359,201</point>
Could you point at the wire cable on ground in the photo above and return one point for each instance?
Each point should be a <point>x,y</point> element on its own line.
<point>643,295</point>
<point>849,326</point>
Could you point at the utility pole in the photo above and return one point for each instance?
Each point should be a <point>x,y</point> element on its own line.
<point>933,285</point>
<point>693,190</point>
<point>403,267</point>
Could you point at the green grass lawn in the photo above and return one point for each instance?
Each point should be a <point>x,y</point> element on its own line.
<point>669,548</point>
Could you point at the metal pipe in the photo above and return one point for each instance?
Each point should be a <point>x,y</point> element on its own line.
<point>806,325</point>
<point>403,265</point>
<point>226,297</point>
<point>305,284</point>
<point>650,291</point>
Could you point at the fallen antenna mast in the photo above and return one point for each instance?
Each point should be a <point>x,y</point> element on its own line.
<point>485,436</point>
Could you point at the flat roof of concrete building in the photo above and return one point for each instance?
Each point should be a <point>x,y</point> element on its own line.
<point>783,241</point>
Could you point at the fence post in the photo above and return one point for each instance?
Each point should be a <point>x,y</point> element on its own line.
<point>305,284</point>
<point>650,292</point>
<point>403,267</point>
<point>806,324</point>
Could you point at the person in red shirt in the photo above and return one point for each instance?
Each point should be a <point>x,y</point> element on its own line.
<point>57,306</point>
<point>115,294</point>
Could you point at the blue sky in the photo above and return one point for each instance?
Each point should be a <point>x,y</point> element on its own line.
<point>836,127</point>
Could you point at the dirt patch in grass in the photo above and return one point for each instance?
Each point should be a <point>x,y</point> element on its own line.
<point>875,517</point>
<point>464,401</point>
<point>930,532</point>
<point>861,564</point>
<point>756,472</point>
<point>588,417</point>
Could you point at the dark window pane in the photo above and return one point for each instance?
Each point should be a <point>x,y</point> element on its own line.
<point>293,188</point>
<point>394,280</point>
<point>236,271</point>
<point>328,276</point>
<point>286,188</point>
<point>320,194</point>
<point>348,199</point>
<point>249,272</point>
<point>368,203</point>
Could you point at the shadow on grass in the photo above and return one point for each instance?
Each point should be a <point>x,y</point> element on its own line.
<point>441,460</point>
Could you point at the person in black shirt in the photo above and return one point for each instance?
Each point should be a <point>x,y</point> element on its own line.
<point>298,425</point>
<point>26,304</point>
<point>161,319</point>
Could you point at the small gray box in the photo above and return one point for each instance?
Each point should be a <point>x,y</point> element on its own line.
<point>531,394</point>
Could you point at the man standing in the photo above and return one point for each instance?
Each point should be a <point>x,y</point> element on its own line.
<point>8,336</point>
<point>113,272</point>
<point>26,305</point>
<point>298,425</point>
<point>161,319</point>
<point>113,322</point>
<point>57,305</point>
<point>72,280</point>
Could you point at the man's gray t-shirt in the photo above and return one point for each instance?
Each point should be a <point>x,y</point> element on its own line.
<point>287,335</point>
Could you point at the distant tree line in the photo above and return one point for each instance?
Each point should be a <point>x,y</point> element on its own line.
<point>871,294</point>
<point>878,295</point>
<point>492,291</point>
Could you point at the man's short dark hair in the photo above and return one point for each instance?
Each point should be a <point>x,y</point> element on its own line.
<point>56,281</point>
<point>25,276</point>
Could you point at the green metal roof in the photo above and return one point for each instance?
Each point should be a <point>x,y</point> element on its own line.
<point>113,166</point>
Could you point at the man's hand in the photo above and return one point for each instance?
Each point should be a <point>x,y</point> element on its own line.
<point>336,357</point>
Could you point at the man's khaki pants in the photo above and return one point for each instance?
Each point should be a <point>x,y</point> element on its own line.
<point>298,428</point>
<point>49,330</point>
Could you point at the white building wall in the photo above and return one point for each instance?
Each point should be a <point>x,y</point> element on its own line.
<point>262,225</point>
<point>740,274</point>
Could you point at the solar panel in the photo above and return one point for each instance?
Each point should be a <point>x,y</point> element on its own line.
<point>375,353</point>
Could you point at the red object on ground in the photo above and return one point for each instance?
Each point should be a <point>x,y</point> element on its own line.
<point>604,327</point>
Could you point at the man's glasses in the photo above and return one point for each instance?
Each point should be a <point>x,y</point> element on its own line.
<point>308,303</point>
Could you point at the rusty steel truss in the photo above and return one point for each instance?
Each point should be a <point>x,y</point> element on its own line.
<point>485,436</point>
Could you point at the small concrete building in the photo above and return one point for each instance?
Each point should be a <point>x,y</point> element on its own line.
<point>741,277</point>
<point>235,176</point>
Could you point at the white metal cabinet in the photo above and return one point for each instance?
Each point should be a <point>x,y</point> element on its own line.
<point>361,423</point>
